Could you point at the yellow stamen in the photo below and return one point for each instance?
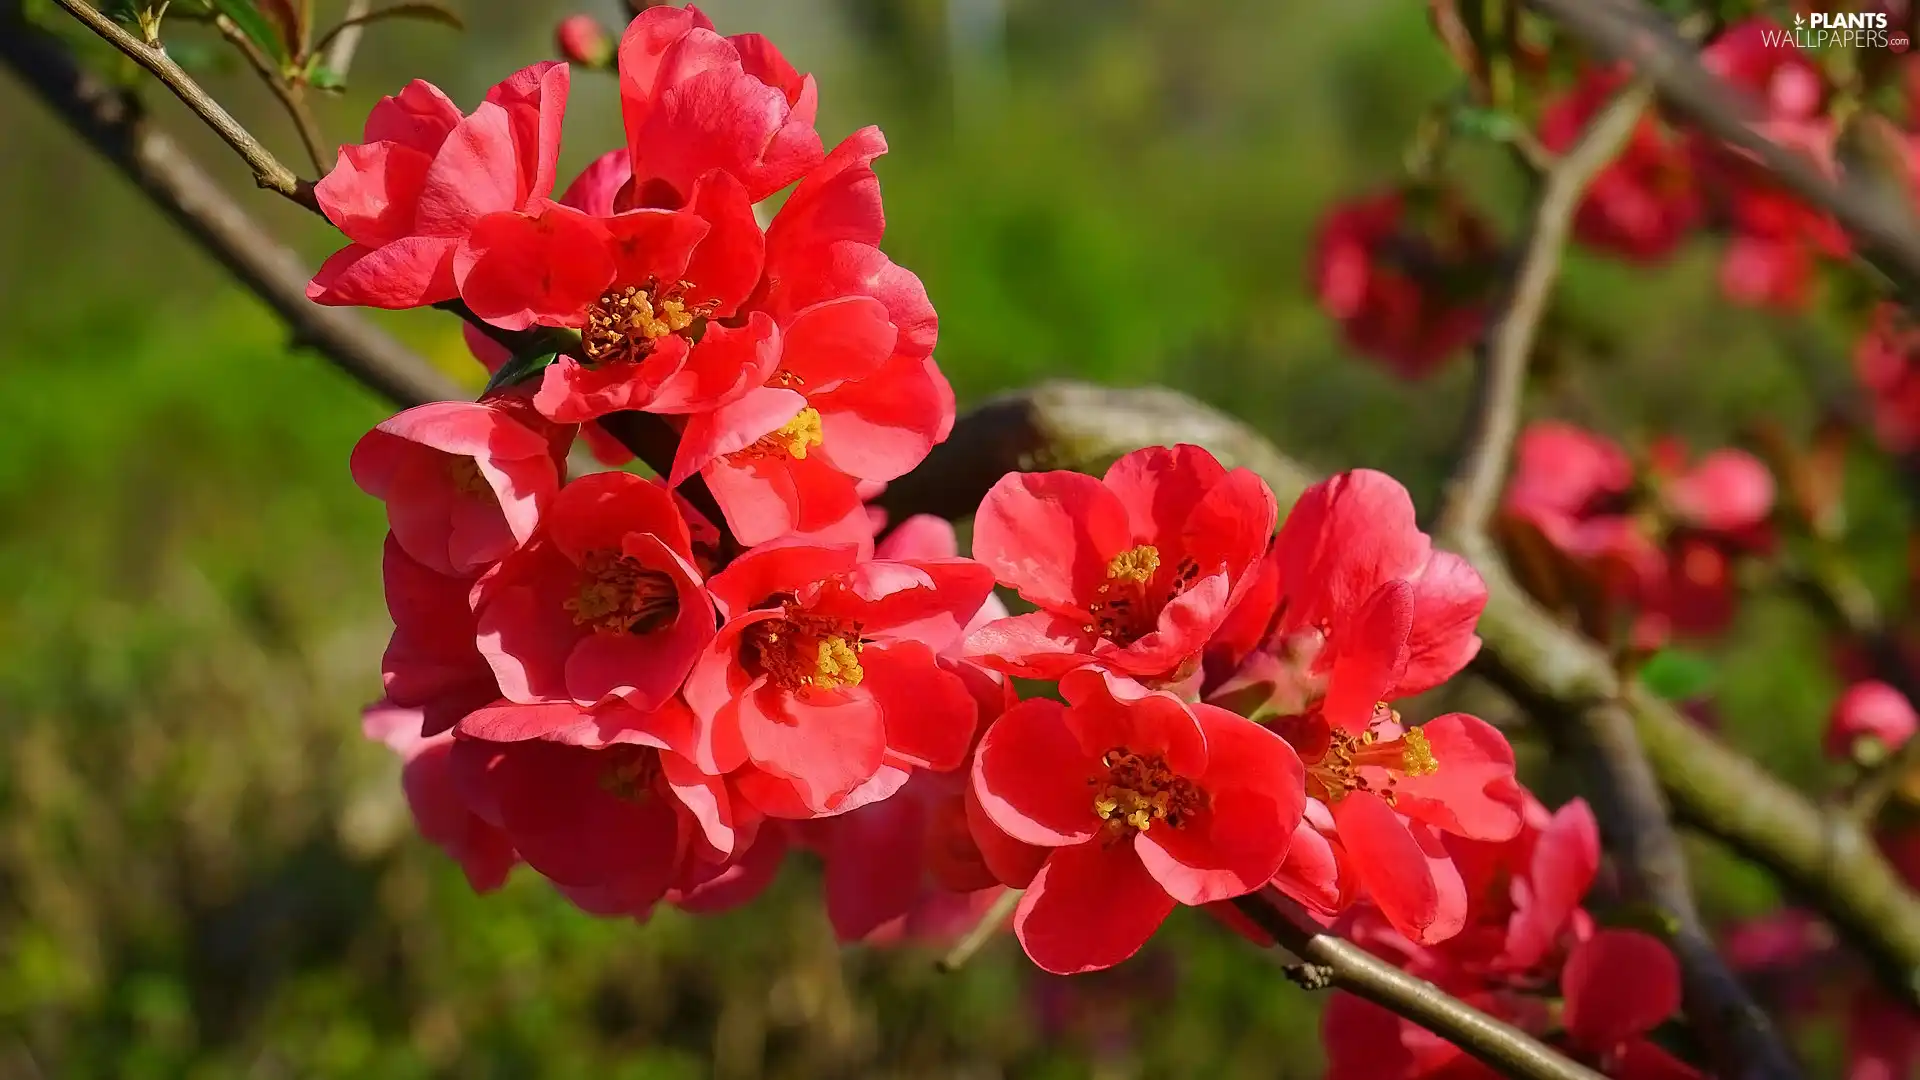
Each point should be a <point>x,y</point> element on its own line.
<point>617,594</point>
<point>1417,759</point>
<point>1142,790</point>
<point>1137,565</point>
<point>803,651</point>
<point>624,323</point>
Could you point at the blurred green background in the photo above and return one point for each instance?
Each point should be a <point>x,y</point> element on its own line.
<point>204,872</point>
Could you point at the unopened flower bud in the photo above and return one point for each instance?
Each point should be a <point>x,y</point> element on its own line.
<point>584,41</point>
<point>1870,721</point>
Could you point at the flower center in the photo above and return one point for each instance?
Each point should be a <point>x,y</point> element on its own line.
<point>620,595</point>
<point>630,773</point>
<point>791,440</point>
<point>1140,790</point>
<point>624,323</point>
<point>1338,771</point>
<point>1128,607</point>
<point>466,477</point>
<point>803,651</point>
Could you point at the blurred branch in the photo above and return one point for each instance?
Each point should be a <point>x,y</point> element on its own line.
<point>291,97</point>
<point>1501,373</point>
<point>1334,961</point>
<point>1628,30</point>
<point>1601,733</point>
<point>343,41</point>
<point>268,172</point>
<point>1561,677</point>
<point>111,120</point>
<point>990,924</point>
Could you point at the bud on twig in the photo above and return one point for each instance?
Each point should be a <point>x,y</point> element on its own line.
<point>584,41</point>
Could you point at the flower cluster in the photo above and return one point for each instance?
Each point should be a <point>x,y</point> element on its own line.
<point>1410,296</point>
<point>644,703</point>
<point>1527,942</point>
<point>1654,544</point>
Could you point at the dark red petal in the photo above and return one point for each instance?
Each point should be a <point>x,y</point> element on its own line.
<point>1370,654</point>
<point>930,715</point>
<point>1160,486</point>
<point>1256,793</point>
<point>1051,536</point>
<point>1033,778</point>
<point>1448,597</point>
<point>1618,984</point>
<point>1473,792</point>
<point>1110,711</point>
<point>1404,868</point>
<point>1090,907</point>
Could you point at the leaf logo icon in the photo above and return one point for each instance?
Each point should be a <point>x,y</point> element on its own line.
<point>1799,21</point>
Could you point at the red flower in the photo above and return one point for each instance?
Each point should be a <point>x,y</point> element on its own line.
<point>822,689</point>
<point>609,827</point>
<point>1659,544</point>
<point>1644,202</point>
<point>1134,571</point>
<point>433,795</point>
<point>1403,294</point>
<point>694,102</point>
<point>856,395</point>
<point>603,602</point>
<point>885,862</point>
<point>1776,237</point>
<point>424,175</point>
<point>1142,801</point>
<point>1869,721</point>
<point>432,663</point>
<point>1346,544</point>
<point>465,483</point>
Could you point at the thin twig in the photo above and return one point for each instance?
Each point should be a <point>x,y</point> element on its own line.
<point>1347,966</point>
<point>346,38</point>
<point>290,95</point>
<point>268,172</point>
<point>1501,373</point>
<point>990,924</point>
<point>110,120</point>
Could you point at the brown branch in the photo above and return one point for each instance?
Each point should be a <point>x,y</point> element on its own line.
<point>1501,372</point>
<point>268,172</point>
<point>111,121</point>
<point>1877,218</point>
<point>991,923</point>
<point>345,39</point>
<point>1600,735</point>
<point>1334,961</point>
<point>289,93</point>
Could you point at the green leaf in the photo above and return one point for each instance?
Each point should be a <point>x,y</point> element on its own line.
<point>259,29</point>
<point>519,370</point>
<point>1487,123</point>
<point>1678,675</point>
<point>322,77</point>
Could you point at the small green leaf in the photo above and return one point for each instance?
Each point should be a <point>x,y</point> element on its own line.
<point>322,77</point>
<point>1487,123</point>
<point>1678,675</point>
<point>259,29</point>
<point>519,370</point>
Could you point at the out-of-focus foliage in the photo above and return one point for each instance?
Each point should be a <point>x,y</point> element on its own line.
<point>203,870</point>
